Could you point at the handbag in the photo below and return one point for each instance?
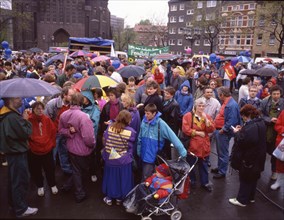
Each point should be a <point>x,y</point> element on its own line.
<point>184,138</point>
<point>279,151</point>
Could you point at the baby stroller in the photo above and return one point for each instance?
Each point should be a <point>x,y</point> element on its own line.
<point>141,202</point>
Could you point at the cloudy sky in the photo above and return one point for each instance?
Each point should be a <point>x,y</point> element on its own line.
<point>135,10</point>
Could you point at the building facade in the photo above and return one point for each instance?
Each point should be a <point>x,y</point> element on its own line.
<point>52,22</point>
<point>116,23</point>
<point>237,28</point>
<point>151,35</point>
<point>186,22</point>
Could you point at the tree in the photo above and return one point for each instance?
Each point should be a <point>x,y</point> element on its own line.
<point>208,26</point>
<point>124,37</point>
<point>145,22</point>
<point>272,16</point>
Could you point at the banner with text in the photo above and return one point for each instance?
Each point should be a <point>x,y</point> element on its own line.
<point>142,51</point>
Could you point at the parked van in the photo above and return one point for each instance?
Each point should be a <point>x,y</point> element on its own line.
<point>121,55</point>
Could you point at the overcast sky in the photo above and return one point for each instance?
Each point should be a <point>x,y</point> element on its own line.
<point>135,10</point>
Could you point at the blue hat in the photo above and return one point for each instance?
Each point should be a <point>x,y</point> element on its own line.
<point>77,76</point>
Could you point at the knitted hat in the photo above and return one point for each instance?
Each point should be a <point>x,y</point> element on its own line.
<point>163,169</point>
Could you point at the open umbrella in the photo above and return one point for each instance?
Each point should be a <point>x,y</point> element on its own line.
<point>165,56</point>
<point>26,87</point>
<point>268,60</point>
<point>35,50</point>
<point>243,59</point>
<point>97,81</point>
<point>80,53</point>
<point>266,72</point>
<point>249,72</point>
<point>101,58</point>
<point>131,70</point>
<point>57,57</point>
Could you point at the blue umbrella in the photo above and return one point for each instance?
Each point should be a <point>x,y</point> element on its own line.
<point>26,87</point>
<point>243,59</point>
<point>131,70</point>
<point>57,57</point>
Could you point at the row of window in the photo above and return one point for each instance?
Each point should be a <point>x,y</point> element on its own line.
<point>208,17</point>
<point>259,39</point>
<point>195,30</point>
<point>240,7</point>
<point>236,40</point>
<point>209,4</point>
<point>197,42</point>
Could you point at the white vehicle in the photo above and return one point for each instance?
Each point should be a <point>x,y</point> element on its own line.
<point>121,55</point>
<point>266,59</point>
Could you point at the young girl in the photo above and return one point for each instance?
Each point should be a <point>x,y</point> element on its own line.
<point>117,154</point>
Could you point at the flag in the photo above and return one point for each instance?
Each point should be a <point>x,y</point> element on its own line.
<point>112,52</point>
<point>6,4</point>
<point>230,71</point>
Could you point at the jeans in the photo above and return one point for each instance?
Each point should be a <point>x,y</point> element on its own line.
<point>222,146</point>
<point>246,191</point>
<point>62,154</point>
<point>202,168</point>
<point>226,83</point>
<point>147,170</point>
<point>18,182</point>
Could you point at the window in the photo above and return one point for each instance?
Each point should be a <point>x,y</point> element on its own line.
<point>274,19</point>
<point>259,39</point>
<point>210,17</point>
<point>240,21</point>
<point>180,31</point>
<point>235,7</point>
<point>249,39</point>
<point>231,40</point>
<point>238,42</point>
<point>252,6</point>
<point>173,7</point>
<point>186,47</point>
<point>190,12</point>
<point>172,31</point>
<point>241,7</point>
<point>179,42</point>
<point>197,30</point>
<point>250,21</point>
<point>173,19</point>
<point>197,42</point>
<point>181,7</point>
<point>199,4</point>
<point>211,4</point>
<point>188,24</point>
<point>206,42</point>
<point>225,8</point>
<point>261,20</point>
<point>210,29</point>
<point>172,42</point>
<point>181,18</point>
<point>271,39</point>
<point>198,17</point>
<point>233,22</point>
<point>222,40</point>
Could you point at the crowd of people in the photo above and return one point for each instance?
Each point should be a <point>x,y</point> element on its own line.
<point>176,107</point>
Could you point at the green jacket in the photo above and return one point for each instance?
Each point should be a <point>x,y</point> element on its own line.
<point>14,132</point>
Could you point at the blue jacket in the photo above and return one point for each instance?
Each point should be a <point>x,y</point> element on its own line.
<point>148,146</point>
<point>92,110</point>
<point>232,116</point>
<point>185,101</point>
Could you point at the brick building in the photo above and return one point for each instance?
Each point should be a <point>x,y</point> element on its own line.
<point>183,29</point>
<point>52,22</point>
<point>237,29</point>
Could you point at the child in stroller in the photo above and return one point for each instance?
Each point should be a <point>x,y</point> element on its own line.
<point>159,193</point>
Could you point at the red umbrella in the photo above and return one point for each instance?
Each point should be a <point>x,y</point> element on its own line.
<point>80,53</point>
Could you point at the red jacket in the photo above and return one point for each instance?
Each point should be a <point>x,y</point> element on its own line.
<point>158,76</point>
<point>43,138</point>
<point>200,146</point>
<point>279,128</point>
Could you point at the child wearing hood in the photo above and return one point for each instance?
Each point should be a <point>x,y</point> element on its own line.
<point>184,98</point>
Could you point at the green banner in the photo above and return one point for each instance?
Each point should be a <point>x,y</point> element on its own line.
<point>142,51</point>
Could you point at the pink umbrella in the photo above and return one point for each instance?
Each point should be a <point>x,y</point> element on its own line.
<point>100,58</point>
<point>80,53</point>
<point>121,65</point>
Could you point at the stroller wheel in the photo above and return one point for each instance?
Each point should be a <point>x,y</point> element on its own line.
<point>176,215</point>
<point>146,218</point>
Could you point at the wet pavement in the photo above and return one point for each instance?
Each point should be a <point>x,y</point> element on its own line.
<point>200,204</point>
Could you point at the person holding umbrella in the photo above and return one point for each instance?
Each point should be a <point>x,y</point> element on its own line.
<point>15,130</point>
